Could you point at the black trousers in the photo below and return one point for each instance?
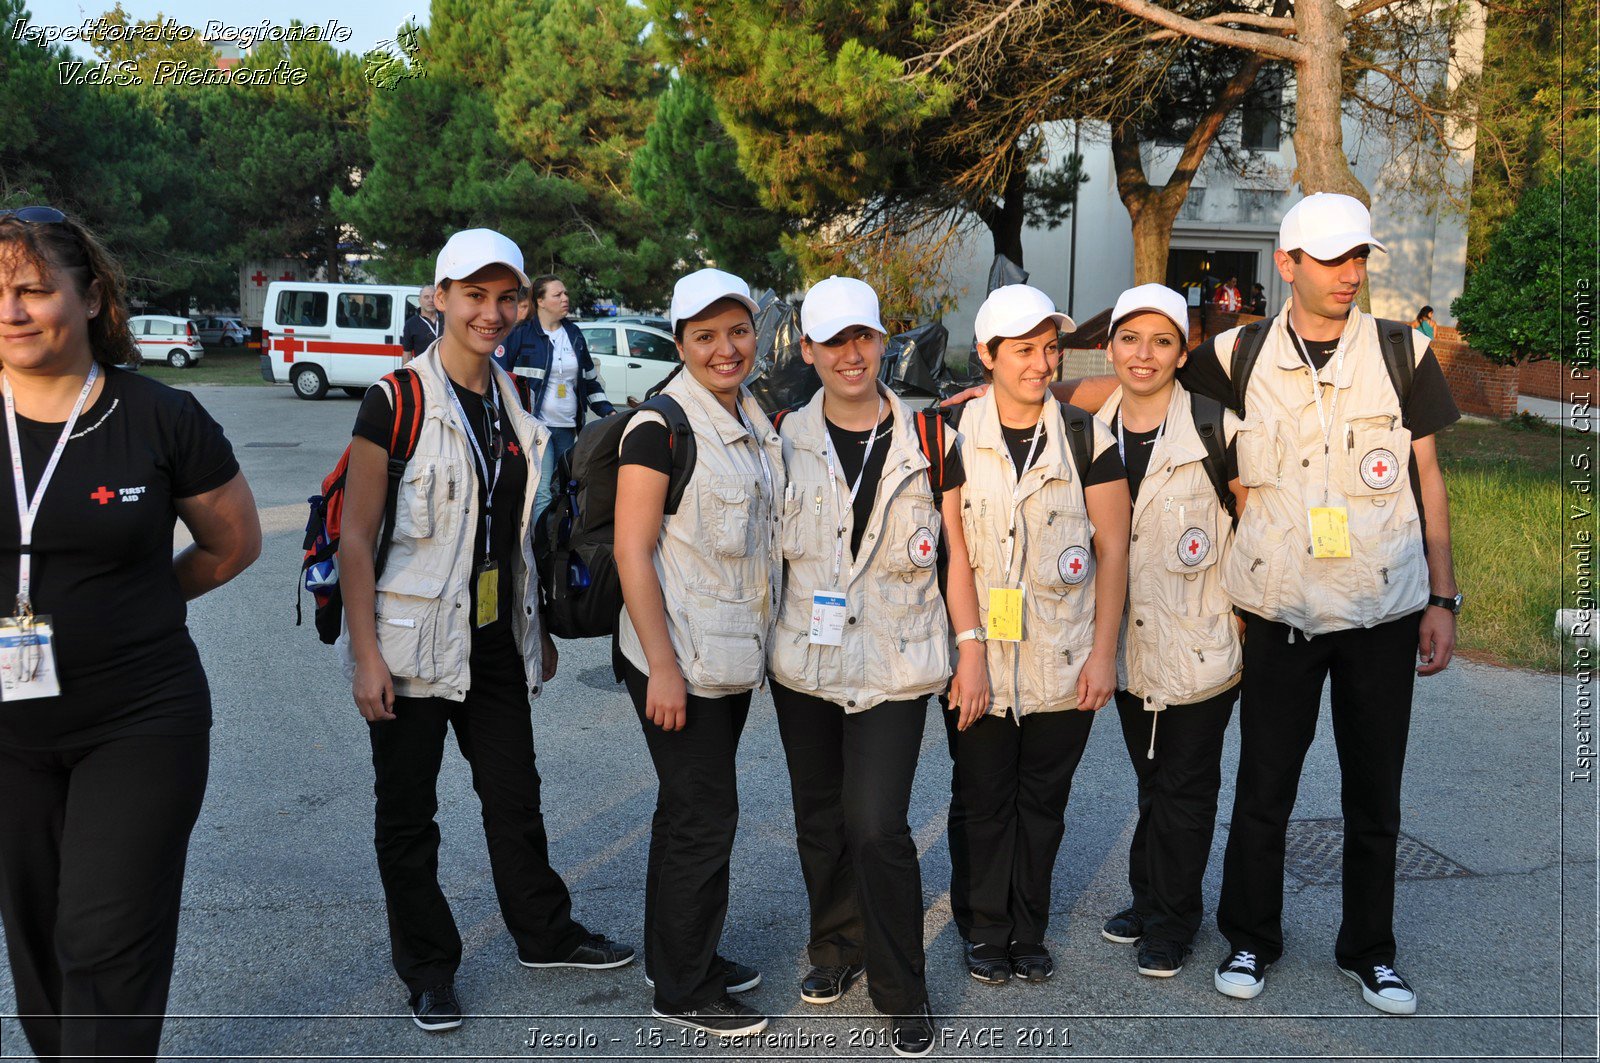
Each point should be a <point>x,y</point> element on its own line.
<point>1008,794</point>
<point>494,728</point>
<point>851,776</point>
<point>92,849</point>
<point>691,841</point>
<point>1372,671</point>
<point>1177,808</point>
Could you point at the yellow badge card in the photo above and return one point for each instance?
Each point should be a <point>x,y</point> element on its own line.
<point>488,595</point>
<point>1330,531</point>
<point>1005,614</point>
<point>561,391</point>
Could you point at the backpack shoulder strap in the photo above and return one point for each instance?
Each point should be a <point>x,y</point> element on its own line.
<point>1080,436</point>
<point>405,387</point>
<point>1246,349</point>
<point>1397,357</point>
<point>1208,417</point>
<point>680,437</point>
<point>930,438</point>
<point>777,418</point>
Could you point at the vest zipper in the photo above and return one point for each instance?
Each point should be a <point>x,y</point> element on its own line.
<point>1385,576</point>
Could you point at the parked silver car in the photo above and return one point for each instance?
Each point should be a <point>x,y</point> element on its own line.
<point>221,331</point>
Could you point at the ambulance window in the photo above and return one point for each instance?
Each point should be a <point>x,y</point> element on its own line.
<point>297,309</point>
<point>365,311</point>
<point>649,345</point>
<point>601,340</point>
<point>413,307</point>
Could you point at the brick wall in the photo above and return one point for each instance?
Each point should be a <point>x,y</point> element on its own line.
<point>1551,380</point>
<point>1478,385</point>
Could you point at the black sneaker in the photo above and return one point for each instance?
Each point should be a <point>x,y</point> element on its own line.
<point>1384,989</point>
<point>724,1017</point>
<point>912,1035</point>
<point>824,985</point>
<point>736,977</point>
<point>436,1008</point>
<point>989,963</point>
<point>597,953</point>
<point>1161,959</point>
<point>1031,962</point>
<point>1241,974</point>
<point>1124,928</point>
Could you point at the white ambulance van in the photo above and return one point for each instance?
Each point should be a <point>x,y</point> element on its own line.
<point>315,336</point>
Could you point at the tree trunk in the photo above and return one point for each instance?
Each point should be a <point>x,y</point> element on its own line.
<point>1320,161</point>
<point>1005,220</point>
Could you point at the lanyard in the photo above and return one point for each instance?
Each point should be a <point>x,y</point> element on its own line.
<point>1122,450</point>
<point>855,489</point>
<point>1324,420</point>
<point>478,458</point>
<point>433,328</point>
<point>1016,485</point>
<point>28,509</point>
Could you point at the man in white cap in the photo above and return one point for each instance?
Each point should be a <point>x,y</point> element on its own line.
<point>1341,565</point>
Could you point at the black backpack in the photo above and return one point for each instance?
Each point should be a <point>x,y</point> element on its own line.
<point>1392,340</point>
<point>1208,415</point>
<point>574,538</point>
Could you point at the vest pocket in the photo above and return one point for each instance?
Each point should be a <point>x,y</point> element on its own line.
<point>1376,458</point>
<point>1397,573</point>
<point>798,527</point>
<point>910,555</point>
<point>1060,565</point>
<point>794,660</point>
<point>413,514</point>
<point>1189,534</point>
<point>407,634</point>
<point>1209,647</point>
<point>727,649</point>
<point>730,520</point>
<point>1253,569</point>
<point>1257,447</point>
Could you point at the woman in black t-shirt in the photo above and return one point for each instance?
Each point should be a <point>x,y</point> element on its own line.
<point>447,635</point>
<point>102,695</point>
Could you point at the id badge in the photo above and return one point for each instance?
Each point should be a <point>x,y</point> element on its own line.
<point>27,659</point>
<point>1330,531</point>
<point>561,391</point>
<point>1005,614</point>
<point>828,610</point>
<point>488,594</point>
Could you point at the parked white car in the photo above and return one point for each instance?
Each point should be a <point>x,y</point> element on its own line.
<point>173,340</point>
<point>222,331</point>
<point>631,358</point>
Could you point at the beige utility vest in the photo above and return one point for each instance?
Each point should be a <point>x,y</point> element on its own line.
<point>424,597</point>
<point>717,557</point>
<point>1053,558</point>
<point>1180,643</point>
<point>1270,570</point>
<point>896,643</point>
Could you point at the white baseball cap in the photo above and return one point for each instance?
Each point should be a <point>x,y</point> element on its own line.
<point>1014,310</point>
<point>703,287</point>
<point>1157,297</point>
<point>470,250</point>
<point>1325,225</point>
<point>833,305</point>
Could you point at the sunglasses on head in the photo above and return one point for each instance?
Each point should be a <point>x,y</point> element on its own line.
<point>35,215</point>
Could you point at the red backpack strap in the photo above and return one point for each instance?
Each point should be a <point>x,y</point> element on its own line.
<point>777,418</point>
<point>406,387</point>
<point>930,437</point>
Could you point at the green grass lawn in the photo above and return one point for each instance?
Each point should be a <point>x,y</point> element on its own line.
<point>1507,528</point>
<point>221,365</point>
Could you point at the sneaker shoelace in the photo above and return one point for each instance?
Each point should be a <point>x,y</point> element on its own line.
<point>1245,961</point>
<point>1386,974</point>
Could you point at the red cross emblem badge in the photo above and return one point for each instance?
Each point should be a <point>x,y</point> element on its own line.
<point>1379,469</point>
<point>1073,565</point>
<point>1194,546</point>
<point>923,548</point>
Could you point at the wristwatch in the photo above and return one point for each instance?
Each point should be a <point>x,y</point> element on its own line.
<point>975,635</point>
<point>1452,604</point>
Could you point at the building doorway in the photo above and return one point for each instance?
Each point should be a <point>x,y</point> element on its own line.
<point>1198,273</point>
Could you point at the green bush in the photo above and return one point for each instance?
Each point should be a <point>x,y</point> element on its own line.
<point>1539,265</point>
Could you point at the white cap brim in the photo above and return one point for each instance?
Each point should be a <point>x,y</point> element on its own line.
<point>1127,312</point>
<point>684,314</point>
<point>1021,326</point>
<point>1325,248</point>
<point>827,330</point>
<point>461,273</point>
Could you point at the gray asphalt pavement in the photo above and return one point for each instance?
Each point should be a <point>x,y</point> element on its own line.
<point>283,951</point>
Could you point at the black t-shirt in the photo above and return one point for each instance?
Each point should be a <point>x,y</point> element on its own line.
<point>102,565</point>
<point>418,335</point>
<point>1138,446</point>
<point>849,447</point>
<point>375,422</point>
<point>1105,468</point>
<point>1429,408</point>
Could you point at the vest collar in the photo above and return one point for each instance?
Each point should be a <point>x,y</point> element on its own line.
<point>1287,352</point>
<point>811,427</point>
<point>1180,439</point>
<point>982,420</point>
<point>714,416</point>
